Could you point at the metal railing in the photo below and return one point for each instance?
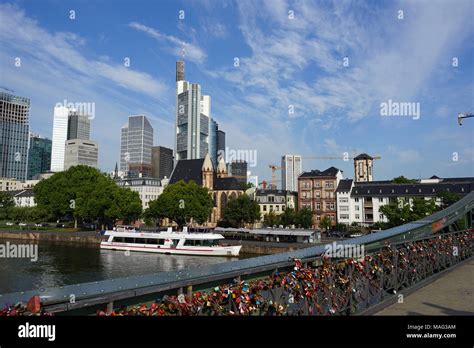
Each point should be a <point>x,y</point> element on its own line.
<point>143,287</point>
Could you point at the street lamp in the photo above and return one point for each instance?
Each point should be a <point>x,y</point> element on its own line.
<point>462,115</point>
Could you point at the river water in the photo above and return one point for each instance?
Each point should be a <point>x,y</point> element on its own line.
<point>69,263</point>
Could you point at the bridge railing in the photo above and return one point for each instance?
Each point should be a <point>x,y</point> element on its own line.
<point>140,288</point>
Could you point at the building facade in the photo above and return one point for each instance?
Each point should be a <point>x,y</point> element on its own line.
<point>291,169</point>
<point>220,145</point>
<point>221,186</point>
<point>276,201</point>
<point>39,155</point>
<point>79,126</point>
<point>238,170</point>
<point>14,136</point>
<point>193,117</point>
<point>317,192</point>
<point>363,168</point>
<point>81,152</point>
<point>136,145</point>
<point>360,202</point>
<point>148,189</point>
<point>162,162</point>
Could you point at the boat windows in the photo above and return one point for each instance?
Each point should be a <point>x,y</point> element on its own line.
<point>200,242</point>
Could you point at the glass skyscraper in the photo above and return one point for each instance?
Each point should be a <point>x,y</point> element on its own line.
<point>193,118</point>
<point>39,155</point>
<point>14,136</point>
<point>213,142</point>
<point>136,147</point>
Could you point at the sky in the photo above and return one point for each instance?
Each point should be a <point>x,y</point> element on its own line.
<point>285,77</point>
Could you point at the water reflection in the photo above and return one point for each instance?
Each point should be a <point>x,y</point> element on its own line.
<point>63,264</point>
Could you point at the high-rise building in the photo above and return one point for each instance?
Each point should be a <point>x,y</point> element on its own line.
<point>291,168</point>
<point>220,144</point>
<point>193,113</point>
<point>136,147</point>
<point>80,152</point>
<point>238,170</point>
<point>14,136</point>
<point>79,126</point>
<point>60,126</point>
<point>39,155</point>
<point>213,141</point>
<point>162,162</point>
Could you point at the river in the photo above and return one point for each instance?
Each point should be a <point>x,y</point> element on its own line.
<point>61,264</point>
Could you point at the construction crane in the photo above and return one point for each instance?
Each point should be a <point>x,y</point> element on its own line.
<point>462,115</point>
<point>274,168</point>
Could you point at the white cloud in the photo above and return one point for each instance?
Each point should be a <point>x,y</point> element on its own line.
<point>192,51</point>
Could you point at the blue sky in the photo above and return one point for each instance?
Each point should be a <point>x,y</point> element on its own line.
<point>283,62</point>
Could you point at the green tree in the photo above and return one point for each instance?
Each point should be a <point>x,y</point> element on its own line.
<point>271,219</point>
<point>245,186</point>
<point>447,198</point>
<point>126,205</point>
<point>402,180</point>
<point>6,204</point>
<point>288,217</point>
<point>241,210</point>
<point>325,223</point>
<point>401,212</point>
<point>304,218</point>
<point>181,202</point>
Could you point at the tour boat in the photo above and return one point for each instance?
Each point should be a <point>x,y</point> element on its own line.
<point>169,242</point>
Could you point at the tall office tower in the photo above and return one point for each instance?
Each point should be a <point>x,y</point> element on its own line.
<point>39,155</point>
<point>162,162</point>
<point>79,126</point>
<point>60,126</point>
<point>213,141</point>
<point>193,113</point>
<point>14,136</point>
<point>80,152</point>
<point>291,168</point>
<point>136,147</point>
<point>238,170</point>
<point>220,144</point>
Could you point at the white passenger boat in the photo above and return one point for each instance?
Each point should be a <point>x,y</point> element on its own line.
<point>169,242</point>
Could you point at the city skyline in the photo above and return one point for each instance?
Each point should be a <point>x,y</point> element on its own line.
<point>287,93</point>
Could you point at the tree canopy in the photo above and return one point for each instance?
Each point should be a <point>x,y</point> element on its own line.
<point>182,202</point>
<point>241,210</point>
<point>83,192</point>
<point>401,212</point>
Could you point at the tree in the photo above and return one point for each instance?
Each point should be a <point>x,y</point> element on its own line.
<point>325,223</point>
<point>288,218</point>
<point>83,192</point>
<point>402,212</point>
<point>245,186</point>
<point>304,218</point>
<point>402,180</point>
<point>182,202</point>
<point>241,210</point>
<point>6,204</point>
<point>271,219</point>
<point>126,205</point>
<point>447,198</point>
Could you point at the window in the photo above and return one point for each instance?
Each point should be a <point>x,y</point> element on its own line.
<point>381,200</point>
<point>333,206</point>
<point>357,208</point>
<point>380,216</point>
<point>356,200</point>
<point>317,183</point>
<point>264,208</point>
<point>277,208</point>
<point>357,216</point>
<point>318,206</point>
<point>343,200</point>
<point>318,194</point>
<point>328,206</point>
<point>344,208</point>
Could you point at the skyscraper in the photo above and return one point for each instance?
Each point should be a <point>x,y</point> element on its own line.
<point>220,140</point>
<point>136,147</point>
<point>162,162</point>
<point>291,168</point>
<point>39,155</point>
<point>238,170</point>
<point>193,113</point>
<point>14,134</point>
<point>60,126</point>
<point>80,152</point>
<point>79,126</point>
<point>213,141</point>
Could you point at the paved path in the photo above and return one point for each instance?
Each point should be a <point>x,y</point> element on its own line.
<point>452,294</point>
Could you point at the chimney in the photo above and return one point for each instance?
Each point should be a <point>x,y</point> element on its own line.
<point>179,71</point>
